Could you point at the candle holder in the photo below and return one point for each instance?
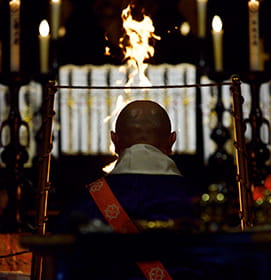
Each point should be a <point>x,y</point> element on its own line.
<point>246,209</point>
<point>43,79</point>
<point>53,57</point>
<point>44,164</point>
<point>202,70</point>
<point>258,152</point>
<point>14,154</point>
<point>203,58</point>
<point>220,162</point>
<point>219,202</point>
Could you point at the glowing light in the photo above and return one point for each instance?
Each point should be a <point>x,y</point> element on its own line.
<point>62,31</point>
<point>119,105</point>
<point>213,188</point>
<point>107,51</point>
<point>217,34</point>
<point>220,197</point>
<point>135,45</point>
<point>253,5</point>
<point>205,197</point>
<point>259,201</point>
<point>217,24</point>
<point>185,28</point>
<point>44,46</point>
<point>44,28</point>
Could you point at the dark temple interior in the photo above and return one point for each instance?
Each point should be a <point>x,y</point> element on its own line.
<point>59,94</point>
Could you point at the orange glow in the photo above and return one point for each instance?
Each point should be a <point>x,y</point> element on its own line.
<point>119,105</point>
<point>258,193</point>
<point>267,182</point>
<point>107,51</point>
<point>136,47</point>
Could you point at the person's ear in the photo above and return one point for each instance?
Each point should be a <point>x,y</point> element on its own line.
<point>113,136</point>
<point>115,140</point>
<point>171,141</point>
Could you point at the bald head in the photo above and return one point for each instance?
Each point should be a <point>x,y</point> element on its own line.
<point>143,122</point>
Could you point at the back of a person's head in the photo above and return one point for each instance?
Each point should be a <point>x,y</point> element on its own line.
<point>143,122</point>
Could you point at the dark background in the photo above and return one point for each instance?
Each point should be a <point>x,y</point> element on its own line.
<point>88,21</point>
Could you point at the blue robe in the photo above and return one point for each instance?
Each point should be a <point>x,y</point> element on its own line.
<point>148,187</point>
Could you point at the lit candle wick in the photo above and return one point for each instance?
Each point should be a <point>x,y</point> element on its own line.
<point>217,34</point>
<point>44,46</point>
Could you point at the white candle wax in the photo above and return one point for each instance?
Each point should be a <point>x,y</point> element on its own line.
<point>217,34</point>
<point>44,39</point>
<point>55,17</point>
<point>201,8</point>
<point>254,41</point>
<point>14,35</point>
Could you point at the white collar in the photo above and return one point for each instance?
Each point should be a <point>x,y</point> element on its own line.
<point>145,159</point>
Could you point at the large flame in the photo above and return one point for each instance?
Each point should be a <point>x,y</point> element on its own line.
<point>136,45</point>
<point>137,49</point>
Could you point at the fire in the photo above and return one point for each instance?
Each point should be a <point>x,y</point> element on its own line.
<point>135,45</point>
<point>107,49</point>
<point>136,48</point>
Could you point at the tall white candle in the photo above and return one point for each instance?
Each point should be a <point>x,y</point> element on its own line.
<point>254,41</point>
<point>217,34</point>
<point>44,39</point>
<point>55,17</point>
<point>201,8</point>
<point>14,6</point>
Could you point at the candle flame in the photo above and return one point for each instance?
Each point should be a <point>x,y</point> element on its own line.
<point>44,28</point>
<point>14,5</point>
<point>185,28</point>
<point>253,5</point>
<point>217,24</point>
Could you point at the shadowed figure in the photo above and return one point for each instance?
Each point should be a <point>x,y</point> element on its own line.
<point>146,182</point>
<point>143,122</point>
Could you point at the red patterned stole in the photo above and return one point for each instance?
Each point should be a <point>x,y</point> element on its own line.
<point>121,223</point>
